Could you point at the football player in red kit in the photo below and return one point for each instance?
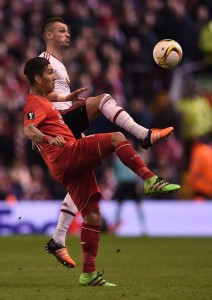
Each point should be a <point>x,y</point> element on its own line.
<point>72,161</point>
<point>79,114</point>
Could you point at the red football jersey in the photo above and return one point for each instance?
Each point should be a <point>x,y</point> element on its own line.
<point>73,164</point>
<point>39,111</point>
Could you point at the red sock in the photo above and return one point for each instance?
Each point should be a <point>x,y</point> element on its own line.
<point>90,243</point>
<point>132,160</point>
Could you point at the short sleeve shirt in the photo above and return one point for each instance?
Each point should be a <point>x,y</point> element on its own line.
<point>40,112</point>
<point>62,83</point>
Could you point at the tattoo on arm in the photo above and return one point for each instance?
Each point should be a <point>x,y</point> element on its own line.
<point>33,133</point>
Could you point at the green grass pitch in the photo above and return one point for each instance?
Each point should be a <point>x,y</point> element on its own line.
<point>143,268</point>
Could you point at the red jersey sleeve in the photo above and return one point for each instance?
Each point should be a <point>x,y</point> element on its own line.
<point>33,112</point>
<point>40,112</point>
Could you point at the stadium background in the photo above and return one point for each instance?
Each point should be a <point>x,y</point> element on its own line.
<point>111,51</point>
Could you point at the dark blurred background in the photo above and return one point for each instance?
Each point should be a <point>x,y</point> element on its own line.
<point>111,51</point>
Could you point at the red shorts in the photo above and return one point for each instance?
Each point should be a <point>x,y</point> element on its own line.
<point>76,162</point>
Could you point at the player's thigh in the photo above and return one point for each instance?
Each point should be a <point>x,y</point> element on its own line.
<point>99,145</point>
<point>88,152</point>
<point>85,192</point>
<point>92,107</point>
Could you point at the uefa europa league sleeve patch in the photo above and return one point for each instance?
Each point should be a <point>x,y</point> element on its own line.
<point>30,116</point>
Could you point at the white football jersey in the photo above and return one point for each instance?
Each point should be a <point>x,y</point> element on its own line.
<point>62,82</point>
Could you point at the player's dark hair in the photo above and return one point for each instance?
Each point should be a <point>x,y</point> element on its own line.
<point>46,24</point>
<point>35,66</point>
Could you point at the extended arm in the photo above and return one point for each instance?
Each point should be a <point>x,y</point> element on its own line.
<point>74,96</point>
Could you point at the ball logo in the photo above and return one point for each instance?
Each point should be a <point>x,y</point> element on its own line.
<point>167,53</point>
<point>31,116</point>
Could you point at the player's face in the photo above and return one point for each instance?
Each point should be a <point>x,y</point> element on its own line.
<point>60,35</point>
<point>48,80</point>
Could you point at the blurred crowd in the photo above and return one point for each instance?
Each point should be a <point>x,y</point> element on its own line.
<point>111,51</point>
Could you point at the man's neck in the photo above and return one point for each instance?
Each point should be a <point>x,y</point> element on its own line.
<point>57,53</point>
<point>37,92</point>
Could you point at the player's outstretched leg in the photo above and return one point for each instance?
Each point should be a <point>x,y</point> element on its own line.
<point>61,253</point>
<point>155,135</point>
<point>130,158</point>
<point>116,114</point>
<point>158,185</point>
<point>93,279</point>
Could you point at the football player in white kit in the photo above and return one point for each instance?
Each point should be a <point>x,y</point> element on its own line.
<point>78,114</point>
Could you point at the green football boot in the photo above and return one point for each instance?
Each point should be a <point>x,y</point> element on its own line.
<point>157,185</point>
<point>93,279</point>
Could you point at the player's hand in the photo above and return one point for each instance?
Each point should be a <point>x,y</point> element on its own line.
<point>74,96</point>
<point>35,147</point>
<point>57,141</point>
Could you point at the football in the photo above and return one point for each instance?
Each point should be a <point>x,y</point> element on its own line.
<point>167,53</point>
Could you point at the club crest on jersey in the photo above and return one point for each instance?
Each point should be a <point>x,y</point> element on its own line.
<point>31,116</point>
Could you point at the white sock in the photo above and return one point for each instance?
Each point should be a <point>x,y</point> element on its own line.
<point>67,214</point>
<point>116,114</point>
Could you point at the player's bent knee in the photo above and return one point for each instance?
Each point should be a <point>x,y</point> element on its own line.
<point>93,218</point>
<point>96,100</point>
<point>104,99</point>
<point>118,137</point>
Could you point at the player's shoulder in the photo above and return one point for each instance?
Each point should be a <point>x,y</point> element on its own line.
<point>45,54</point>
<point>36,103</point>
<point>32,99</point>
<point>49,57</point>
<point>53,60</point>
